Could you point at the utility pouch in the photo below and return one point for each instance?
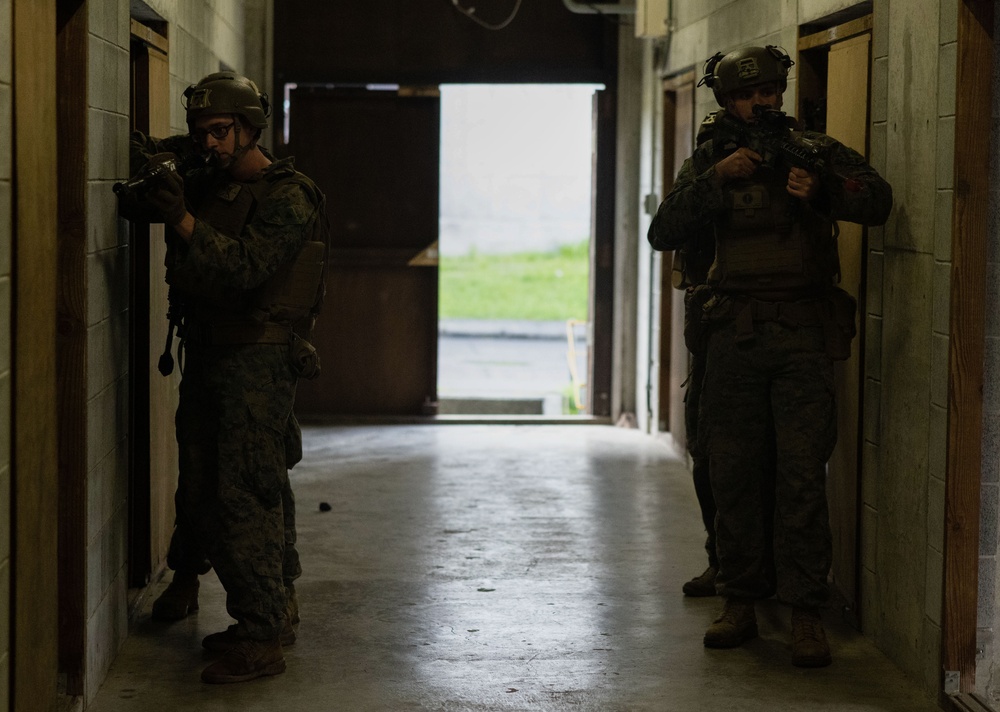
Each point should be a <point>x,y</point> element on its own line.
<point>303,358</point>
<point>678,273</point>
<point>839,326</point>
<point>695,323</point>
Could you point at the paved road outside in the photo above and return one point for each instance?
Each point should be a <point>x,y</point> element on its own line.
<point>509,360</point>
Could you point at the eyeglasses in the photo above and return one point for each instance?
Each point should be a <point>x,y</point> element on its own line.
<point>216,132</point>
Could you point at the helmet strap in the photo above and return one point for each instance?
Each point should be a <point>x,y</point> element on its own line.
<point>239,150</point>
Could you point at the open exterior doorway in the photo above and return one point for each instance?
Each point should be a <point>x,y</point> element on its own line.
<point>374,149</point>
<point>517,175</point>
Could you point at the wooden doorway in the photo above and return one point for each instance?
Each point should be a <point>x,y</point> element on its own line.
<point>152,446</point>
<point>374,152</point>
<point>678,144</point>
<point>602,250</point>
<point>837,63</point>
<point>31,381</point>
<point>71,339</point>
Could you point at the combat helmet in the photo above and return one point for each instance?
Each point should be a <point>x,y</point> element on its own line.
<point>746,67</point>
<point>227,93</point>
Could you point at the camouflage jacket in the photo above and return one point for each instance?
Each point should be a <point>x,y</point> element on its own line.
<point>217,270</point>
<point>688,214</point>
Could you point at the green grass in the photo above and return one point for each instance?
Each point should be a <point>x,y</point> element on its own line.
<point>539,286</point>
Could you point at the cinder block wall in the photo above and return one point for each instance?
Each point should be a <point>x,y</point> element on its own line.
<point>906,378</point>
<point>905,391</point>
<point>107,338</point>
<point>6,150</point>
<point>204,36</point>
<point>988,667</point>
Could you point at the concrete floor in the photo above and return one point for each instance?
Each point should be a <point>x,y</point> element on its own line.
<point>492,567</point>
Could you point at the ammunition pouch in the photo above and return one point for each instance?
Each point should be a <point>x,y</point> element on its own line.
<point>691,263</point>
<point>770,242</point>
<point>695,323</point>
<point>293,296</point>
<point>295,290</point>
<point>303,358</point>
<point>835,314</point>
<point>839,327</point>
<point>678,273</point>
<point>745,311</point>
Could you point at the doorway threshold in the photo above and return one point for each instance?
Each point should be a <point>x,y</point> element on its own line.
<point>493,406</point>
<point>478,419</point>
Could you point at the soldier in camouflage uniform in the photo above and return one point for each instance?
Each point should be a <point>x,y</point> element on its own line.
<point>690,273</point>
<point>245,251</point>
<point>775,324</point>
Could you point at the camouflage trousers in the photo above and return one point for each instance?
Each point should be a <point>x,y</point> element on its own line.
<point>699,462</point>
<point>234,444</point>
<point>782,378</point>
<point>187,550</point>
<point>700,471</point>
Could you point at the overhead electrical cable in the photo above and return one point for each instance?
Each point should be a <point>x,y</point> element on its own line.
<point>470,12</point>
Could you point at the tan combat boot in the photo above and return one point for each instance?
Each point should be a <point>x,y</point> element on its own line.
<point>703,585</point>
<point>247,660</point>
<point>179,599</point>
<point>809,646</point>
<point>736,625</point>
<point>225,640</point>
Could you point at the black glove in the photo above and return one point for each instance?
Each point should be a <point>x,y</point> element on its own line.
<point>167,192</point>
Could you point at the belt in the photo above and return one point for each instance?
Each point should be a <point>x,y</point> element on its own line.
<point>239,333</point>
<point>746,310</point>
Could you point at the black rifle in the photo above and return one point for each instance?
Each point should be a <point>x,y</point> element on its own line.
<point>773,140</point>
<point>134,188</point>
<point>147,175</point>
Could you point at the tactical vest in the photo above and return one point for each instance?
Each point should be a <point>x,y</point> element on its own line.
<point>290,299</point>
<point>768,243</point>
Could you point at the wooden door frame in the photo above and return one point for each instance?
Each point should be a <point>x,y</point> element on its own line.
<point>34,500</point>
<point>813,74</point>
<point>602,253</point>
<point>71,344</point>
<point>152,399</point>
<point>967,327</point>
<point>670,331</point>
